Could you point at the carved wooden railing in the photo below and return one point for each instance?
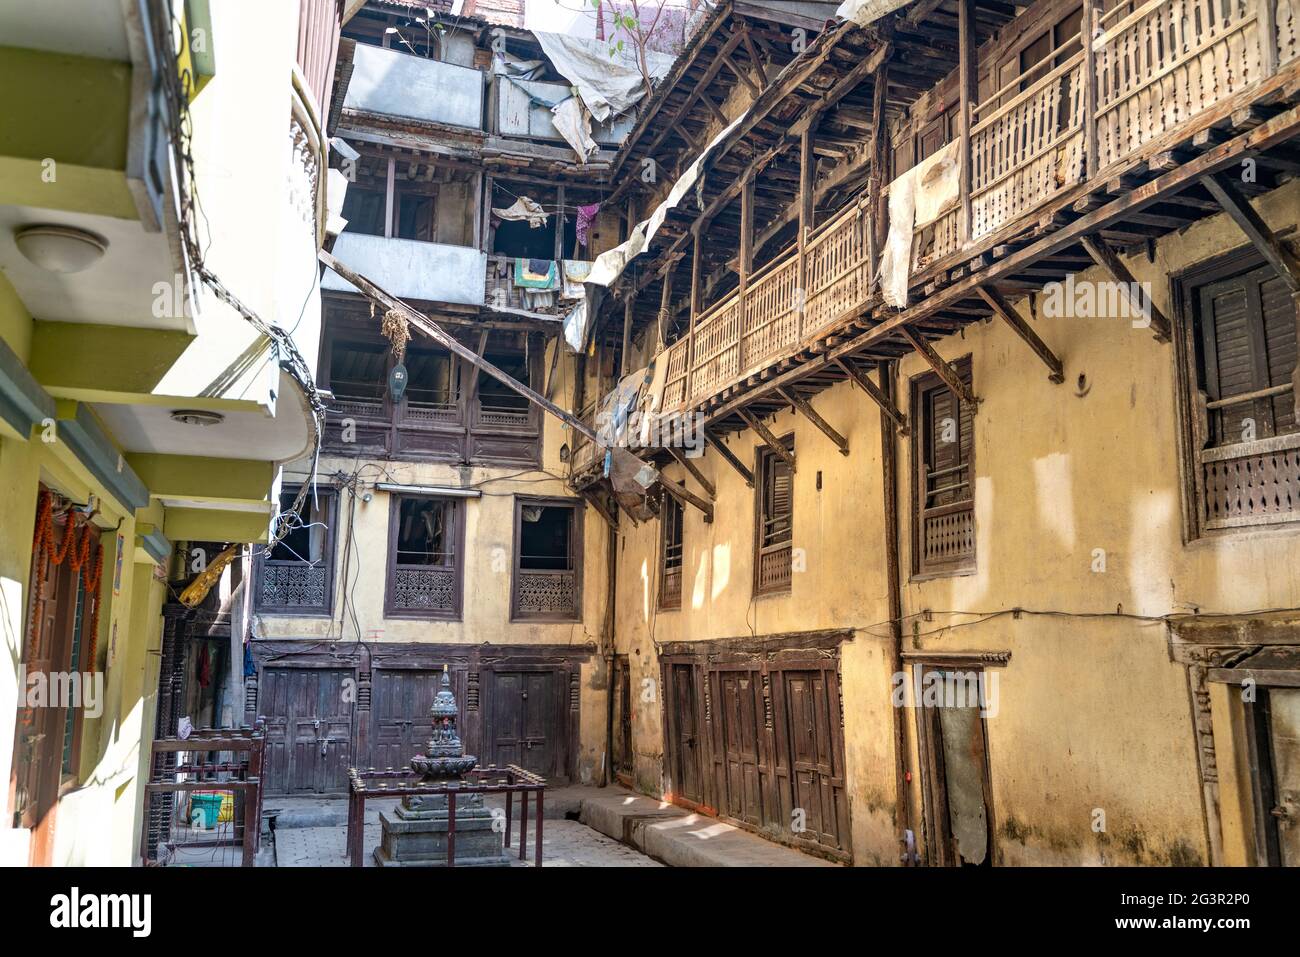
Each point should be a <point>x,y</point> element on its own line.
<point>742,335</point>
<point>319,23</point>
<point>1155,66</point>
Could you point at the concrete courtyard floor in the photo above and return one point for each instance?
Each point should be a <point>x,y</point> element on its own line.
<point>584,827</point>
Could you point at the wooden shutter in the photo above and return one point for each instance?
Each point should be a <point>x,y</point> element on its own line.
<point>772,560</point>
<point>944,514</point>
<point>1248,341</point>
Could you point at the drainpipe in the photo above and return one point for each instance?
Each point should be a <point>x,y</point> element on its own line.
<point>889,473</point>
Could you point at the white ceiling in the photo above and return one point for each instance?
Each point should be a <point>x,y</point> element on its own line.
<point>243,435</point>
<point>118,290</point>
<point>93,28</point>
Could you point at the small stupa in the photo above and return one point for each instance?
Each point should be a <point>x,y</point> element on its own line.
<point>415,835</point>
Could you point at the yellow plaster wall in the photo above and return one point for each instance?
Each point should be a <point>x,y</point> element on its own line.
<point>1092,714</point>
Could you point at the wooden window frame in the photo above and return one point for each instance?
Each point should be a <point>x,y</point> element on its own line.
<point>575,557</point>
<point>261,560</point>
<point>1193,425</point>
<point>457,565</point>
<point>920,386</point>
<point>668,601</point>
<point>762,455</point>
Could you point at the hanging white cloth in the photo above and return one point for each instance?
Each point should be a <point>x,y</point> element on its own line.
<point>524,208</point>
<point>916,199</point>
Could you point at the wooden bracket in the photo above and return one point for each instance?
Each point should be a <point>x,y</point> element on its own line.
<point>729,457</point>
<point>1105,257</point>
<point>1021,328</point>
<point>768,438</point>
<point>873,390</point>
<point>805,408</point>
<point>680,458</point>
<point>1257,231</point>
<point>687,497</point>
<point>942,369</point>
<point>595,502</point>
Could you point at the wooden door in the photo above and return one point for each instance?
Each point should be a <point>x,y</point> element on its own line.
<point>958,794</point>
<point>685,740</point>
<point>40,731</point>
<point>816,778</point>
<point>622,691</point>
<point>525,721</point>
<point>399,715</point>
<point>741,749</point>
<point>1284,754</point>
<point>308,730</point>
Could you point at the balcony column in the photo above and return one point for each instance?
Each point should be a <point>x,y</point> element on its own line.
<point>1269,36</point>
<point>746,264</point>
<point>1087,31</point>
<point>389,196</point>
<point>696,264</point>
<point>807,171</point>
<point>876,181</point>
<point>966,85</point>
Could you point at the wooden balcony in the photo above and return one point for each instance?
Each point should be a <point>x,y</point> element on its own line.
<point>1154,74</point>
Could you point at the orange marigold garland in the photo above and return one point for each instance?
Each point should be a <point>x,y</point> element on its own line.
<point>77,549</point>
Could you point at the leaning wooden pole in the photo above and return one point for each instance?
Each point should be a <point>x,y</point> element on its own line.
<point>436,332</point>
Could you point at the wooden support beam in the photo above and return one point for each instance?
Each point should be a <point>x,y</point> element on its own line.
<point>680,458</point>
<point>877,396</point>
<point>665,306</point>
<point>941,368</point>
<point>742,75</point>
<point>600,508</point>
<point>1257,231</point>
<point>805,408</point>
<point>625,356</point>
<point>728,456</point>
<point>768,438</point>
<point>436,333</point>
<point>687,497</point>
<point>1003,311</point>
<point>1105,257</point>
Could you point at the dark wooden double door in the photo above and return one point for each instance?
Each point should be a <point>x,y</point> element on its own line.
<point>309,729</point>
<point>765,749</point>
<point>312,722</point>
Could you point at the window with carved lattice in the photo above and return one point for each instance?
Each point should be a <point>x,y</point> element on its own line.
<point>943,538</point>
<point>671,518</point>
<point>1238,330</point>
<point>775,533</point>
<point>425,547</point>
<point>547,580</point>
<point>296,576</point>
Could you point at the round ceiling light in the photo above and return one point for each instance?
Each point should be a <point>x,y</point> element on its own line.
<point>62,249</point>
<point>197,417</point>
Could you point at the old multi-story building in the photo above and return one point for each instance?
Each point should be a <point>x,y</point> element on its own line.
<point>986,316</point>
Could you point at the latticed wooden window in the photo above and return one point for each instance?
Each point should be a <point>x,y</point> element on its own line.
<point>670,553</point>
<point>772,560</point>
<point>424,557</point>
<point>297,576</point>
<point>944,513</point>
<point>548,560</point>
<point>1244,424</point>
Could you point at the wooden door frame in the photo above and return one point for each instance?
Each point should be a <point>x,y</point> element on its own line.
<point>934,796</point>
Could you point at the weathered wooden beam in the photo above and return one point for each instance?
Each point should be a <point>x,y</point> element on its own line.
<point>1105,257</point>
<point>768,438</point>
<point>804,407</point>
<point>435,332</point>
<point>728,456</point>
<point>681,459</point>
<point>966,88</point>
<point>1257,231</point>
<point>877,396</point>
<point>687,497</point>
<point>742,75</point>
<point>941,368</point>
<point>1003,311</point>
